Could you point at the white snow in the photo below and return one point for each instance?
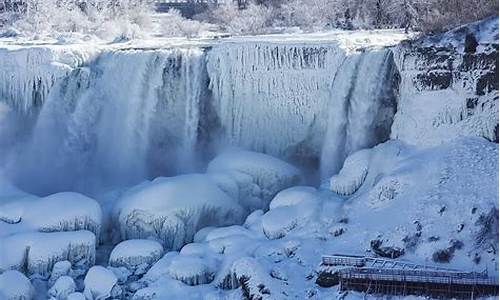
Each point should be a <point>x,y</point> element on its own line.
<point>15,286</point>
<point>134,254</point>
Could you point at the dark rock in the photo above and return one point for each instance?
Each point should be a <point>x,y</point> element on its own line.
<point>433,238</point>
<point>344,220</point>
<point>488,228</point>
<point>387,251</point>
<point>442,256</point>
<point>328,279</point>
<point>434,80</point>
<point>470,43</point>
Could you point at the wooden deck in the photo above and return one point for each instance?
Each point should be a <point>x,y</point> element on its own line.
<point>392,277</point>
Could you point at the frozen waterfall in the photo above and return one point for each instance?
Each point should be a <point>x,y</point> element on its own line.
<point>114,117</point>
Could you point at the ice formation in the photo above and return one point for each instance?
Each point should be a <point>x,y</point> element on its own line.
<point>172,209</point>
<point>136,254</point>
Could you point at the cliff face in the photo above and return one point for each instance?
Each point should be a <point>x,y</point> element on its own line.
<point>449,86</point>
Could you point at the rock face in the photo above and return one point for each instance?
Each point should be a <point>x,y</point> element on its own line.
<point>449,86</point>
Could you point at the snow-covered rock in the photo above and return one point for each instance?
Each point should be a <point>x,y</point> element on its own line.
<point>259,176</point>
<point>100,283</point>
<point>15,286</point>
<point>191,270</point>
<point>37,252</point>
<point>171,210</point>
<point>61,268</point>
<point>136,255</point>
<point>445,91</point>
<point>62,288</point>
<point>352,175</point>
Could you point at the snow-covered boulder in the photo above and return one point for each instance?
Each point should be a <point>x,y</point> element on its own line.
<point>259,176</point>
<point>15,286</point>
<point>136,255</point>
<point>254,279</point>
<point>61,268</point>
<point>62,288</point>
<point>37,252</point>
<point>191,270</point>
<point>100,283</point>
<point>64,212</point>
<point>352,174</point>
<point>171,210</point>
<point>36,233</point>
<point>291,208</point>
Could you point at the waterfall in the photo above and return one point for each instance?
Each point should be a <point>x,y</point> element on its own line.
<point>273,97</point>
<point>109,122</point>
<point>115,117</point>
<point>361,108</point>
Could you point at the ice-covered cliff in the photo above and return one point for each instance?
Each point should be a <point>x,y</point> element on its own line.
<point>85,120</point>
<point>449,85</point>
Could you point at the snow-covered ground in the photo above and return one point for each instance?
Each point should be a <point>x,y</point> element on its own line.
<point>151,132</point>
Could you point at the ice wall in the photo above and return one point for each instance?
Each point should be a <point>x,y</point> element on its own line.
<point>121,115</point>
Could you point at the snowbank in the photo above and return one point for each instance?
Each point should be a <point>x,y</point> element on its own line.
<point>172,209</point>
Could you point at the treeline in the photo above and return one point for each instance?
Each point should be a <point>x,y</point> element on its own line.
<point>111,19</point>
<point>416,15</point>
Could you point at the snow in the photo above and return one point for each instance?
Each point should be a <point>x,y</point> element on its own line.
<point>172,209</point>
<point>136,254</point>
<point>15,286</point>
<point>400,202</point>
<point>99,283</point>
<point>259,176</point>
